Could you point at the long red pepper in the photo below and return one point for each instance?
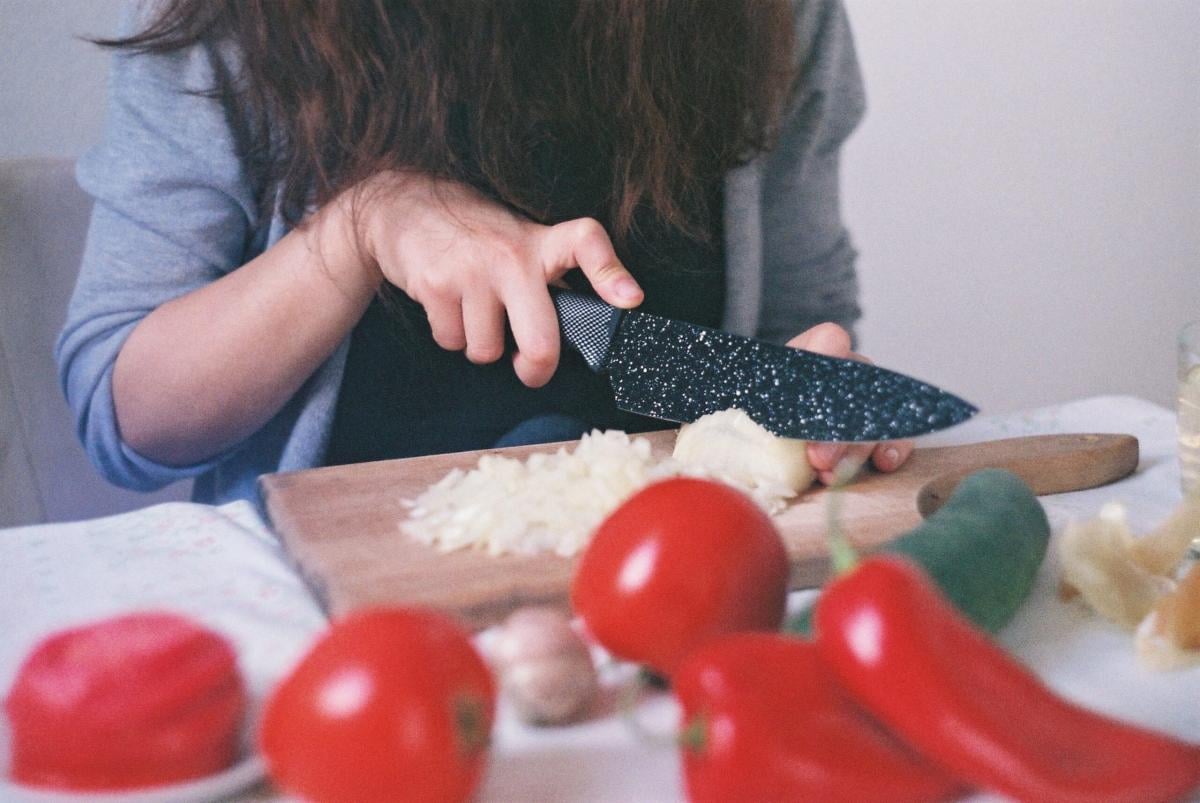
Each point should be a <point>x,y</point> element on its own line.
<point>765,721</point>
<point>913,661</point>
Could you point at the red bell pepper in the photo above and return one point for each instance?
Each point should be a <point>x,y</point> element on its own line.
<point>765,721</point>
<point>907,656</point>
<point>138,700</point>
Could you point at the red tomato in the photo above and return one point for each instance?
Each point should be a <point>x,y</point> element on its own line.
<point>138,700</point>
<point>679,563</point>
<point>389,705</point>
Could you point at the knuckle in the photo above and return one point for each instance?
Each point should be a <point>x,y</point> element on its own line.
<point>829,329</point>
<point>450,341</point>
<point>513,264</point>
<point>484,353</point>
<point>591,233</point>
<point>608,272</point>
<point>433,284</point>
<point>511,255</point>
<point>541,352</point>
<point>833,336</point>
<point>589,227</point>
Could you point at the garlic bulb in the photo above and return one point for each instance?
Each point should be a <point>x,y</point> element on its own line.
<point>545,668</point>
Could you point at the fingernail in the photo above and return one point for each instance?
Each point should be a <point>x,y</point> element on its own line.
<point>828,454</point>
<point>628,289</point>
<point>891,457</point>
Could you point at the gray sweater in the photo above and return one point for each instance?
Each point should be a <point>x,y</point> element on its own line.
<point>175,210</point>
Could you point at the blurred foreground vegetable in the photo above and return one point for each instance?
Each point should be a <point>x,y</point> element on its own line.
<point>545,668</point>
<point>1098,564</point>
<point>1132,581</point>
<point>1161,549</point>
<point>678,564</point>
<point>1169,638</point>
<point>764,720</point>
<point>907,656</point>
<point>144,699</point>
<point>983,548</point>
<point>390,705</point>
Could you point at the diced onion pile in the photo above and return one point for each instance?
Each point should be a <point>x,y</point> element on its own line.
<point>553,502</point>
<point>549,503</point>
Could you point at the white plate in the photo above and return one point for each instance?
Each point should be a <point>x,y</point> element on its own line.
<point>203,790</point>
<point>221,786</point>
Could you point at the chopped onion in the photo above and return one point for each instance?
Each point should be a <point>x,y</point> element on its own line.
<point>553,502</point>
<point>548,503</point>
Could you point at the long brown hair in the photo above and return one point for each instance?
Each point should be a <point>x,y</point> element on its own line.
<point>662,96</point>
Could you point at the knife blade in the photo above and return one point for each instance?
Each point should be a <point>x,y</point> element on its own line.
<point>679,371</point>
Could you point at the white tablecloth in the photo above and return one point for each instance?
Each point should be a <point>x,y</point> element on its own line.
<point>222,566</point>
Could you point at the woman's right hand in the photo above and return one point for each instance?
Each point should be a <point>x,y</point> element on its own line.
<point>472,263</point>
<point>180,399</point>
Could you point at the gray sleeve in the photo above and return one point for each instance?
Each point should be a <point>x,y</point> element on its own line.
<point>808,258</point>
<point>173,211</point>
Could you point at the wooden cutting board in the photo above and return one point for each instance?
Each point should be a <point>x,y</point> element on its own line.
<point>341,524</point>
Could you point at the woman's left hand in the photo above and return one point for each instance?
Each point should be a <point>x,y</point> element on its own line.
<point>834,341</point>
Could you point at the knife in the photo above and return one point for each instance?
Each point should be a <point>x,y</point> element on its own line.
<point>678,371</point>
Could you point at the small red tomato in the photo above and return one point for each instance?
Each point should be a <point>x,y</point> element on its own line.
<point>139,700</point>
<point>389,705</point>
<point>680,562</point>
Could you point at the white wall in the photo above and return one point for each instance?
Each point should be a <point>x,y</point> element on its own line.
<point>1025,191</point>
<point>51,83</point>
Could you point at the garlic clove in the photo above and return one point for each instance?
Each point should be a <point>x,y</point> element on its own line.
<point>551,691</point>
<point>545,667</point>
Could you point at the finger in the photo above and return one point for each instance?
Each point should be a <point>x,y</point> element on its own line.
<point>824,456</point>
<point>446,323</point>
<point>851,463</point>
<point>483,323</point>
<point>891,455</point>
<point>832,341</point>
<point>824,338</point>
<point>585,243</point>
<point>534,326</point>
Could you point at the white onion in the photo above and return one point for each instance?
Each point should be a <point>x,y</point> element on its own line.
<point>549,503</point>
<point>553,502</point>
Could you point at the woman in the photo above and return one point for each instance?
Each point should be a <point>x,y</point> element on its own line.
<point>320,227</point>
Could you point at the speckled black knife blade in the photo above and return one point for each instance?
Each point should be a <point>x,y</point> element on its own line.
<point>678,371</point>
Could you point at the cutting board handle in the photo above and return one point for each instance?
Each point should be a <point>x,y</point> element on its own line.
<point>1049,464</point>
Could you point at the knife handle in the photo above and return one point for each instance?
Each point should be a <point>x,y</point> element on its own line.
<point>588,325</point>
